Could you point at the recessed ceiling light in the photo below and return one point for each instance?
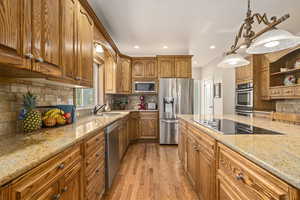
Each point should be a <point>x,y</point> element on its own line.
<point>212,47</point>
<point>243,46</point>
<point>136,47</point>
<point>165,47</point>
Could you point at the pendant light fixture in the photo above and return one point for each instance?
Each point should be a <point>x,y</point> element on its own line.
<point>232,61</point>
<point>267,40</point>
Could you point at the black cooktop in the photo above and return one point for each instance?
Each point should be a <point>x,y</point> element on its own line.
<point>229,127</point>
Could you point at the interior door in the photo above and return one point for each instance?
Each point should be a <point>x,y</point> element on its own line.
<point>46,36</point>
<point>11,51</point>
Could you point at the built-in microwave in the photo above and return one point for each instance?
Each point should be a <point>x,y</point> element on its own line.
<point>144,87</point>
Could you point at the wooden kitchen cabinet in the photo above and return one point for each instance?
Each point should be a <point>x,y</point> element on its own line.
<point>244,74</point>
<point>123,76</point>
<point>69,33</point>
<point>46,41</point>
<point>11,35</point>
<point>134,126</point>
<point>5,193</point>
<point>85,47</point>
<point>148,125</point>
<point>166,66</point>
<point>183,66</point>
<point>144,68</point>
<point>123,137</point>
<point>247,179</point>
<point>191,159</point>
<point>182,142</point>
<point>110,73</point>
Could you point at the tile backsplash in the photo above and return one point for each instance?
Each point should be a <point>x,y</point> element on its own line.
<point>11,100</point>
<point>130,101</point>
<point>288,106</point>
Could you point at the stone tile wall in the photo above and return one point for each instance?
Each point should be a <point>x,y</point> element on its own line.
<point>132,101</point>
<point>11,99</point>
<point>288,106</point>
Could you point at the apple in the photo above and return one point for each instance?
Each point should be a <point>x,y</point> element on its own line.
<point>67,115</point>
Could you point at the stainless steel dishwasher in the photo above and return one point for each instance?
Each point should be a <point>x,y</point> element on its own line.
<point>112,160</point>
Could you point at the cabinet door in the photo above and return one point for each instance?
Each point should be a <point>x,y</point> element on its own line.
<point>224,190</point>
<point>49,193</point>
<point>110,74</point>
<point>166,67</point>
<point>138,69</point>
<point>133,126</point>
<point>4,193</point>
<point>150,68</point>
<point>191,160</point>
<point>148,125</point>
<point>69,21</point>
<point>183,67</point>
<point>46,37</point>
<point>125,76</point>
<point>85,47</point>
<point>205,181</point>
<point>11,52</point>
<point>70,184</point>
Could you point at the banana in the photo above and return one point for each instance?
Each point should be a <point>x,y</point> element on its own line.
<point>53,113</point>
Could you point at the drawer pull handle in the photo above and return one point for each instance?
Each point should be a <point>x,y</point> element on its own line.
<point>61,166</point>
<point>40,60</point>
<point>29,56</point>
<point>65,189</point>
<point>239,177</point>
<point>56,197</point>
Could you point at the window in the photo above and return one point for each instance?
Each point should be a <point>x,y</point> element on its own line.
<point>89,97</point>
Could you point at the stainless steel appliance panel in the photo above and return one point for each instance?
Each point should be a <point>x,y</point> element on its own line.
<point>112,152</point>
<point>167,95</point>
<point>169,130</point>
<point>185,97</point>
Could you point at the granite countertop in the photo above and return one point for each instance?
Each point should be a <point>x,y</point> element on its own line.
<point>19,153</point>
<point>278,154</point>
<point>134,110</point>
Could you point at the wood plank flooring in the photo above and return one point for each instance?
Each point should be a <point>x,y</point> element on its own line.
<point>150,171</point>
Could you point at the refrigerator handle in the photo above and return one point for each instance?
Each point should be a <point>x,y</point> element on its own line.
<point>170,121</point>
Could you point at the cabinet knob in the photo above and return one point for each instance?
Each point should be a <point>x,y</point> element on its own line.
<point>61,166</point>
<point>40,60</point>
<point>97,154</point>
<point>97,171</point>
<point>77,78</point>
<point>65,189</point>
<point>56,197</point>
<point>29,56</point>
<point>239,177</point>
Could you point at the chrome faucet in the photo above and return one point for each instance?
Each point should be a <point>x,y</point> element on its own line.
<point>97,108</point>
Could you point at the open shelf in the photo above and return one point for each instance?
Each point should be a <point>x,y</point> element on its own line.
<point>286,72</point>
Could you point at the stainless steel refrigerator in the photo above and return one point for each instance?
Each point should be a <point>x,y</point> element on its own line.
<point>175,97</point>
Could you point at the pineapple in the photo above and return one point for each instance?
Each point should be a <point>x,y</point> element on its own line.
<point>33,118</point>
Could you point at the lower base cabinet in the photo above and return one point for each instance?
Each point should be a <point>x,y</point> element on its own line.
<point>148,125</point>
<point>218,173</point>
<point>4,193</point>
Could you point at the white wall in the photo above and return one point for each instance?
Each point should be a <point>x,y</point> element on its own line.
<point>225,104</point>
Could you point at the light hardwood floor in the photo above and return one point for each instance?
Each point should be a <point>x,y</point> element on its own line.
<point>150,171</point>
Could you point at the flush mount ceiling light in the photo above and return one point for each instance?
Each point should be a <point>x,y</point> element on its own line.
<point>136,47</point>
<point>165,47</point>
<point>267,40</point>
<point>233,60</point>
<point>212,47</point>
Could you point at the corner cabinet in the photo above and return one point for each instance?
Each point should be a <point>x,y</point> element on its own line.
<point>85,47</point>
<point>175,66</point>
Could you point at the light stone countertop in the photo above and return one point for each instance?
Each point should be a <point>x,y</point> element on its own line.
<point>20,153</point>
<point>278,154</point>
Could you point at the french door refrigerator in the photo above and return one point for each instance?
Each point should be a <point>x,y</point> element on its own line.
<point>175,97</point>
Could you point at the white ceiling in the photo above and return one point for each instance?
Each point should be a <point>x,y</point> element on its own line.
<point>185,26</point>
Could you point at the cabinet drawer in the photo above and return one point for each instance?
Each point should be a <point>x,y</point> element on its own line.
<point>148,115</point>
<point>46,173</point>
<point>93,160</point>
<point>207,143</point>
<point>288,91</point>
<point>95,142</point>
<point>97,173</point>
<point>276,92</point>
<point>297,91</point>
<point>253,181</point>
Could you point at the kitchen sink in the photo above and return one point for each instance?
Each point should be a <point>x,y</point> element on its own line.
<point>108,114</point>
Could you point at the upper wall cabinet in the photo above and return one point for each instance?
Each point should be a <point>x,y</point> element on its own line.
<point>174,66</point>
<point>144,68</point>
<point>110,73</point>
<point>11,37</point>
<point>244,74</point>
<point>124,76</point>
<point>45,36</point>
<point>69,33</point>
<point>85,47</point>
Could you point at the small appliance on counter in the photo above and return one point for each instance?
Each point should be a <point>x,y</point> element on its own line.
<point>151,106</point>
<point>142,104</point>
